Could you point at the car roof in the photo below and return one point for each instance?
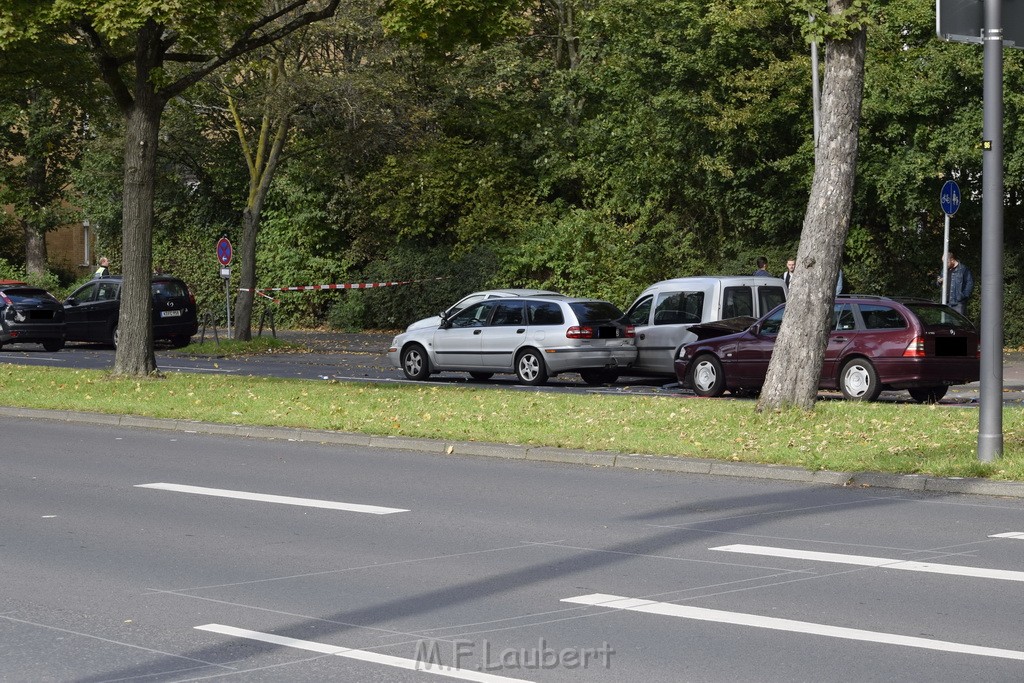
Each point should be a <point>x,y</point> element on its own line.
<point>516,292</point>
<point>702,281</point>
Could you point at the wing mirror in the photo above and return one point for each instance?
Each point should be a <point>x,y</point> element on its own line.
<point>71,301</point>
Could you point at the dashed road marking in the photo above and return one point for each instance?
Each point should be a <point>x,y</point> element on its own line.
<point>754,620</point>
<point>880,562</point>
<point>270,498</point>
<point>361,655</point>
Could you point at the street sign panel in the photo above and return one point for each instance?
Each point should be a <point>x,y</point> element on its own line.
<point>949,198</point>
<point>224,251</point>
<point>962,21</point>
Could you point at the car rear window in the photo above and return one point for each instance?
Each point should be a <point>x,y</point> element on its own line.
<point>590,312</point>
<point>169,288</point>
<point>26,295</point>
<point>937,315</point>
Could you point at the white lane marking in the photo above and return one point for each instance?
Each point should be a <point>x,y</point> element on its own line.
<point>270,498</point>
<point>740,619</point>
<point>361,655</point>
<point>882,562</point>
<point>1009,534</point>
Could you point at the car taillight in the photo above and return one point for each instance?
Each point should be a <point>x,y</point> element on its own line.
<point>580,332</point>
<point>3,297</point>
<point>915,349</point>
<point>630,331</point>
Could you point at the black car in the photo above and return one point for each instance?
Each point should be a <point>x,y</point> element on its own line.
<point>92,311</point>
<point>30,315</point>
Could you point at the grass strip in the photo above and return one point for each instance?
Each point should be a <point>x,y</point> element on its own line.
<point>838,435</point>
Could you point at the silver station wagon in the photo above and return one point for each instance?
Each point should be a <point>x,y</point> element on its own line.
<point>534,337</point>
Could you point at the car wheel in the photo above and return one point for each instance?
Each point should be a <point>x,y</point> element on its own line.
<point>114,334</point>
<point>928,394</point>
<point>415,363</point>
<point>859,381</point>
<point>481,376</point>
<point>530,368</point>
<point>55,345</point>
<point>180,341</point>
<point>707,377</point>
<point>596,378</point>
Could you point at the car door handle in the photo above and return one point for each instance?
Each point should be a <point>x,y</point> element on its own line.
<point>840,339</point>
<point>477,331</point>
<point>521,330</point>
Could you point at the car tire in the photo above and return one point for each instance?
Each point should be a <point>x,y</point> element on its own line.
<point>55,345</point>
<point>928,394</point>
<point>481,376</point>
<point>707,377</point>
<point>599,376</point>
<point>180,341</point>
<point>115,332</point>
<point>530,368</point>
<point>415,363</point>
<point>858,381</point>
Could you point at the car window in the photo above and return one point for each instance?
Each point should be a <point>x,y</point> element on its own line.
<point>509,313</point>
<point>769,297</point>
<point>474,315</point>
<point>936,315</point>
<point>878,317</point>
<point>640,314</point>
<point>589,312</point>
<point>675,308</point>
<point>842,318</point>
<point>737,301</point>
<point>545,313</point>
<point>86,293</point>
<point>772,323</point>
<point>106,291</point>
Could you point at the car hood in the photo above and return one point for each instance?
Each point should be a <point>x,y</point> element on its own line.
<point>433,321</point>
<point>721,328</point>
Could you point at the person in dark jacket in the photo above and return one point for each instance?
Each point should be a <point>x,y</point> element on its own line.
<point>961,283</point>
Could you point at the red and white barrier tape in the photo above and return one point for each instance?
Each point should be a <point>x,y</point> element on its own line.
<point>350,285</point>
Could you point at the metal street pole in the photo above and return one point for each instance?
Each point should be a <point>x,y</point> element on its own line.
<point>945,263</point>
<point>990,420</point>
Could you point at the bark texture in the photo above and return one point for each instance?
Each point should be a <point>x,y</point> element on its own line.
<point>792,379</point>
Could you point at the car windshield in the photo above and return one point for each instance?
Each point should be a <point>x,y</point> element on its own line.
<point>28,296</point>
<point>595,311</point>
<point>937,315</point>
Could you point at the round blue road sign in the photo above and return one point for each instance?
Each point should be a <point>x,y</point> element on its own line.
<point>224,251</point>
<point>950,197</point>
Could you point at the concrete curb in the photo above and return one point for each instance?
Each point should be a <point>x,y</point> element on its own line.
<point>636,461</point>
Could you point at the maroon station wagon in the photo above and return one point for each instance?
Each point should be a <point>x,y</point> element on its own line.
<point>876,343</point>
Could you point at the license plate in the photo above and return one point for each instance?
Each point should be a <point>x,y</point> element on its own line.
<point>170,314</point>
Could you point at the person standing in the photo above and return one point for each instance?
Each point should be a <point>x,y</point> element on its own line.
<point>762,266</point>
<point>103,270</point>
<point>961,283</point>
<point>787,277</point>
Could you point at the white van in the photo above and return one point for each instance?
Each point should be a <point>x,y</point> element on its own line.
<point>663,314</point>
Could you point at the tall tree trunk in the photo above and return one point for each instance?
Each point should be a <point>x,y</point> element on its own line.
<point>135,355</point>
<point>33,227</point>
<point>792,379</point>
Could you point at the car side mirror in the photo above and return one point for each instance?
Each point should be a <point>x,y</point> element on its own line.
<point>755,329</point>
<point>71,301</point>
<point>445,323</point>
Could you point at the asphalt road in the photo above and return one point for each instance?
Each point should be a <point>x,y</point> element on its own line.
<point>363,357</point>
<point>114,570</point>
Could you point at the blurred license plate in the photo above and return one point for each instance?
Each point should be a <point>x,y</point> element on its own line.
<point>170,314</point>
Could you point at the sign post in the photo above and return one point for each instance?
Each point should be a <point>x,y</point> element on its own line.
<point>224,254</point>
<point>994,24</point>
<point>949,198</point>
